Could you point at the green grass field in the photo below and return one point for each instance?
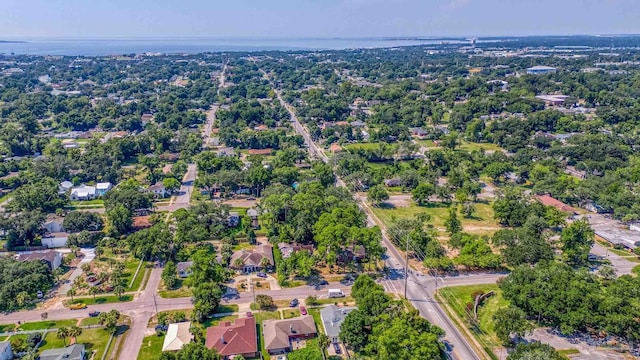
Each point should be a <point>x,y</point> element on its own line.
<point>101,299</point>
<point>290,313</point>
<point>458,296</point>
<point>7,327</point>
<point>93,340</point>
<point>47,324</point>
<point>181,290</point>
<point>151,347</point>
<point>471,146</point>
<point>89,321</point>
<point>482,222</point>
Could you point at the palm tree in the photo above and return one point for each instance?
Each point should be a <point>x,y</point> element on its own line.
<point>63,333</point>
<point>118,290</point>
<point>93,291</point>
<point>74,332</point>
<point>98,251</point>
<point>85,267</point>
<point>71,293</point>
<point>238,263</point>
<point>323,342</point>
<point>264,263</point>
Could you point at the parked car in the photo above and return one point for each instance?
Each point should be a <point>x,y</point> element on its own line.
<point>294,303</point>
<point>40,295</point>
<point>336,347</point>
<point>94,313</point>
<point>303,310</point>
<point>77,306</point>
<point>323,282</point>
<point>261,274</point>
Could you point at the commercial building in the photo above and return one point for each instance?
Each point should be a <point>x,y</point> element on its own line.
<point>541,70</point>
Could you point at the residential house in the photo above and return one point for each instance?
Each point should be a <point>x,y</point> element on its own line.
<point>392,182</point>
<point>253,214</point>
<point>226,151</point>
<point>158,190</point>
<point>332,317</point>
<point>252,260</point>
<point>289,249</point>
<point>232,339</point>
<point>71,352</point>
<point>579,174</point>
<point>335,148</point>
<point>64,187</point>
<point>358,124</point>
<point>233,219</point>
<point>352,253</point>
<point>141,222</point>
<point>53,259</point>
<point>53,223</point>
<point>5,350</point>
<point>278,334</point>
<point>55,240</point>
<point>178,335</point>
<point>83,193</point>
<point>419,132</point>
<point>260,151</point>
<point>184,269</point>
<point>547,200</point>
<point>102,188</point>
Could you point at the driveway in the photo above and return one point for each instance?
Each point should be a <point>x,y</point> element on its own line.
<point>89,255</point>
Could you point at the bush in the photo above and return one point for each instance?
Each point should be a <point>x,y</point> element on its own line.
<point>312,300</point>
<point>265,302</point>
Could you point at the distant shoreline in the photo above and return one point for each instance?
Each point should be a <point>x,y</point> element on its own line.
<point>12,42</point>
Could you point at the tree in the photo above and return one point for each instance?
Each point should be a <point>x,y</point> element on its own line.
<point>377,194</point>
<point>452,223</point>
<point>41,195</point>
<point>74,332</point>
<point>422,192</point>
<point>354,330</point>
<point>577,240</point>
<point>206,298</point>
<point>169,274</point>
<point>534,350</point>
<point>94,291</point>
<point>171,184</point>
<point>71,293</point>
<point>120,219</point>
<point>510,321</point>
<point>109,320</point>
<point>265,302</point>
<point>193,350</point>
<point>63,334</point>
<point>468,209</point>
<point>77,221</point>
<point>323,342</point>
<point>118,289</point>
<point>22,298</point>
<point>22,228</point>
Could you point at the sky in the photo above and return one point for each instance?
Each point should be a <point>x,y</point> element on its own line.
<point>314,18</point>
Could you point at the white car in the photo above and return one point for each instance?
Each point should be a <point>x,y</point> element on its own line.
<point>281,357</point>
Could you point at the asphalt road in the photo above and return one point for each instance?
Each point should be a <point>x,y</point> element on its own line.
<point>418,294</point>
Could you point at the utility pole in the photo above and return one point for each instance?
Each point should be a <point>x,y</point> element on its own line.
<point>155,304</point>
<point>406,267</point>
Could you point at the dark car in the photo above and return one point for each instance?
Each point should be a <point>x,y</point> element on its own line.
<point>261,274</point>
<point>336,347</point>
<point>323,282</point>
<point>294,303</point>
<point>94,313</point>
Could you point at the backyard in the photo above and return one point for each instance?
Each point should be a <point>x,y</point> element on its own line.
<point>93,340</point>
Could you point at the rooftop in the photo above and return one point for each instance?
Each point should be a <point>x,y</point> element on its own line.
<point>178,335</point>
<point>277,332</point>
<point>332,318</point>
<point>231,339</point>
<point>72,352</point>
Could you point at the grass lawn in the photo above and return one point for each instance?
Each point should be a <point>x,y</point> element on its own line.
<point>47,324</point>
<point>7,327</point>
<point>471,146</point>
<point>3,338</point>
<point>311,350</point>
<point>342,300</point>
<point>93,340</point>
<point>214,321</point>
<point>290,313</point>
<point>223,309</point>
<point>181,290</point>
<point>151,347</point>
<point>364,146</point>
<point>266,315</point>
<point>482,223</point>
<point>100,300</point>
<point>88,202</point>
<point>130,267</point>
<point>458,296</point>
<point>89,321</point>
<point>315,313</point>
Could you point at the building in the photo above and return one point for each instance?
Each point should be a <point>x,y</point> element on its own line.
<point>226,151</point>
<point>158,190</point>
<point>64,187</point>
<point>55,240</point>
<point>233,219</point>
<point>102,188</point>
<point>260,151</point>
<point>352,253</point>
<point>419,132</point>
<point>184,269</point>
<point>595,208</point>
<point>5,350</point>
<point>332,318</point>
<point>289,249</point>
<point>553,100</point>
<point>278,334</point>
<point>83,193</point>
<point>541,70</point>
<point>550,201</point>
<point>231,339</point>
<point>53,259</point>
<point>178,335</point>
<point>253,214</point>
<point>392,182</point>
<point>71,352</point>
<point>53,224</point>
<point>141,222</point>
<point>252,260</point>
<point>335,148</point>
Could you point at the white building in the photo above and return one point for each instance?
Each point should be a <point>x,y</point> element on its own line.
<point>102,188</point>
<point>541,70</point>
<point>83,193</point>
<point>158,190</point>
<point>178,335</point>
<point>64,187</point>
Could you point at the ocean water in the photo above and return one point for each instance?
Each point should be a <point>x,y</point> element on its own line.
<point>98,47</point>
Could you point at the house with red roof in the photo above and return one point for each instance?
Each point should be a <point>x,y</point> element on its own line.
<point>232,339</point>
<point>547,200</point>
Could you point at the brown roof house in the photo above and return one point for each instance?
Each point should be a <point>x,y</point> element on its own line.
<point>53,259</point>
<point>261,257</point>
<point>280,334</point>
<point>550,201</point>
<point>239,338</point>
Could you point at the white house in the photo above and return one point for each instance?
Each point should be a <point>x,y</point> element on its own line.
<point>83,192</point>
<point>55,240</point>
<point>178,335</point>
<point>53,224</point>
<point>5,350</point>
<point>102,188</point>
<point>53,259</point>
<point>64,187</point>
<point>158,190</point>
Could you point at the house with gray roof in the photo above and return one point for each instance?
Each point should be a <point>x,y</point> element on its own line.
<point>5,350</point>
<point>72,352</point>
<point>332,318</point>
<point>279,334</point>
